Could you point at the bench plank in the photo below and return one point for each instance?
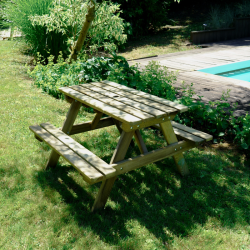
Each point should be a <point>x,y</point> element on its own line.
<point>89,174</point>
<point>187,136</point>
<point>193,131</point>
<point>87,155</point>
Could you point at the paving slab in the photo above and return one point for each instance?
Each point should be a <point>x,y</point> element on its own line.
<point>209,86</point>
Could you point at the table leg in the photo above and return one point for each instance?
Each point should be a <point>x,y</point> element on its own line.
<point>66,128</point>
<point>107,185</point>
<point>117,123</point>
<point>96,119</point>
<point>140,142</point>
<point>170,137</point>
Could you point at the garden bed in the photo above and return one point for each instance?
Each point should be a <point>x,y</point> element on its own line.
<point>241,29</point>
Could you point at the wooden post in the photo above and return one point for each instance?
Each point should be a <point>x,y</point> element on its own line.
<point>66,128</point>
<point>83,33</point>
<point>107,185</point>
<point>170,137</point>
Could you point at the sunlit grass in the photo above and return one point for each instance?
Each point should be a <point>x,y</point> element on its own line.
<point>149,208</point>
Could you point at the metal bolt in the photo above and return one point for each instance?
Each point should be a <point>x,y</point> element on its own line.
<point>121,168</point>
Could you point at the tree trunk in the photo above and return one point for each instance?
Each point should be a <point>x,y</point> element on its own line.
<point>80,41</point>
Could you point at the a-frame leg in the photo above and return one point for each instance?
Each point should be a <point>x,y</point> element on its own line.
<point>140,142</point>
<point>107,185</point>
<point>66,128</point>
<point>170,137</point>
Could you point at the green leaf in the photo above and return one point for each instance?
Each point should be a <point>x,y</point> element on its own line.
<point>221,134</point>
<point>244,145</point>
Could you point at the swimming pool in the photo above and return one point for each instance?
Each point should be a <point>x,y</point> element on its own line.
<point>238,70</point>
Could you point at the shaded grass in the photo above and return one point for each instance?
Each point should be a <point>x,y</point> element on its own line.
<point>149,208</point>
<point>168,39</point>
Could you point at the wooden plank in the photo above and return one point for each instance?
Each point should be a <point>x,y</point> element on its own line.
<point>109,91</point>
<point>107,185</point>
<point>193,131</point>
<point>89,174</point>
<point>96,120</point>
<point>100,106</point>
<point>126,127</point>
<point>67,126</point>
<point>152,105</point>
<point>185,135</point>
<point>153,156</point>
<point>181,108</point>
<point>86,126</point>
<point>170,137</point>
<point>116,104</point>
<point>84,153</point>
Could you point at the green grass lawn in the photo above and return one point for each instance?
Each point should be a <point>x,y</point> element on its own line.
<point>149,208</point>
<point>168,39</point>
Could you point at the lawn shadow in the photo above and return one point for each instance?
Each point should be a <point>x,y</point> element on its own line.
<point>157,198</point>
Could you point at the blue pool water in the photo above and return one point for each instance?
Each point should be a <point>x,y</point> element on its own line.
<point>239,70</point>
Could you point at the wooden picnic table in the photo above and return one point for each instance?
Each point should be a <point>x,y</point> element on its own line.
<point>130,111</point>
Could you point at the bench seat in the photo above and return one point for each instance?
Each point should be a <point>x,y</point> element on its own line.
<point>189,134</point>
<point>91,167</point>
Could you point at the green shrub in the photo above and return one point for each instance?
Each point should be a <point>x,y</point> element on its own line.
<point>144,15</point>
<point>243,9</point>
<point>4,23</point>
<point>155,79</point>
<point>215,118</point>
<point>67,17</point>
<point>220,18</point>
<point>241,128</point>
<point>38,38</point>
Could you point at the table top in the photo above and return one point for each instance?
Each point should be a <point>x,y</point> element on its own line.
<point>134,109</point>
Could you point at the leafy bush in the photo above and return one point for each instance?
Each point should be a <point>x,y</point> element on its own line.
<point>241,128</point>
<point>144,15</point>
<point>155,79</point>
<point>4,23</point>
<point>223,17</point>
<point>66,17</point>
<point>243,9</point>
<point>37,36</point>
<point>220,18</point>
<point>215,118</point>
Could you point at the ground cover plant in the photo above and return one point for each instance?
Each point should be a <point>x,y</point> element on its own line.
<point>150,208</point>
<point>215,118</point>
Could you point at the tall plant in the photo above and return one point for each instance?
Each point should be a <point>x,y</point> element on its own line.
<point>37,36</point>
<point>74,17</point>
